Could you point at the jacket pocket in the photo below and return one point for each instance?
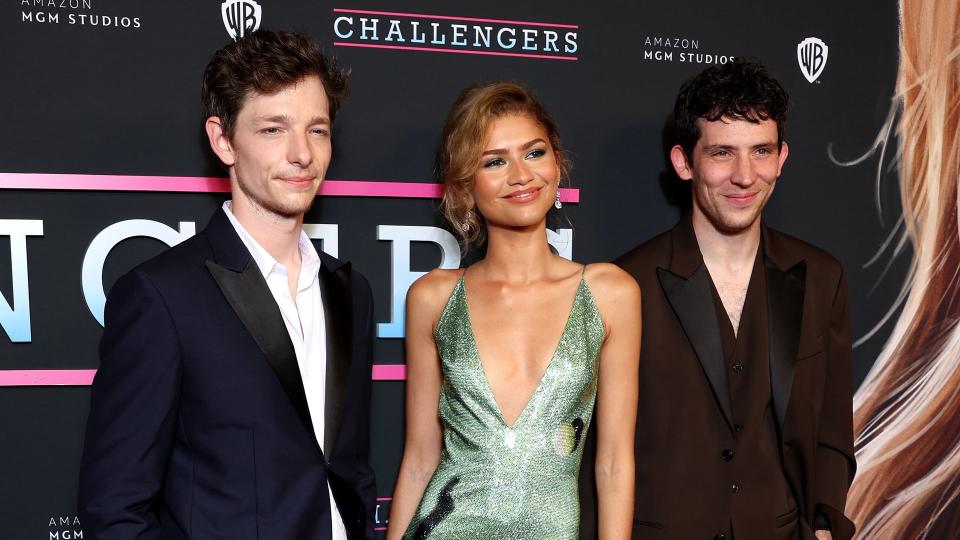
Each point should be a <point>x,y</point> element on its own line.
<point>649,524</point>
<point>788,518</point>
<point>810,348</point>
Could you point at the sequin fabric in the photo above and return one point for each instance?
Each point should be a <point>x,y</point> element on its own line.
<point>519,482</point>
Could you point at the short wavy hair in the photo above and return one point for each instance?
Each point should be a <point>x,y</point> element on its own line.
<point>461,145</point>
<point>266,62</point>
<point>741,89</point>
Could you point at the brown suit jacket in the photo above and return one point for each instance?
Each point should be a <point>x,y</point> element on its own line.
<point>684,394</point>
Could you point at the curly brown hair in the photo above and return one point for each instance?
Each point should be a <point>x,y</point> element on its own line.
<point>742,89</point>
<point>461,145</point>
<point>266,62</point>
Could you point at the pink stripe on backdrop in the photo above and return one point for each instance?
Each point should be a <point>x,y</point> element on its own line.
<point>47,377</point>
<point>570,195</point>
<point>450,18</point>
<point>84,377</point>
<point>354,188</point>
<point>197,184</point>
<point>389,372</point>
<point>455,51</point>
<point>192,184</point>
<point>107,182</point>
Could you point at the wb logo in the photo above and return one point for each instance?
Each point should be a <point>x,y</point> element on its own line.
<point>240,17</point>
<point>812,56</point>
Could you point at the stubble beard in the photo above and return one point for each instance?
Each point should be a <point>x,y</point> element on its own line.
<point>730,223</point>
<point>273,207</point>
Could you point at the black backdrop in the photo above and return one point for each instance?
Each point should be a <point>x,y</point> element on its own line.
<point>81,98</point>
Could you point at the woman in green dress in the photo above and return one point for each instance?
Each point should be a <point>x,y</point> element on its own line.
<point>506,359</point>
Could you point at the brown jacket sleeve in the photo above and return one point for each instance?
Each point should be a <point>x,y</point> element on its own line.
<point>835,463</point>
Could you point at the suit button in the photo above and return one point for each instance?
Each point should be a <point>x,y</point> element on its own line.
<point>737,428</point>
<point>735,488</point>
<point>720,536</point>
<point>727,455</point>
<point>738,368</point>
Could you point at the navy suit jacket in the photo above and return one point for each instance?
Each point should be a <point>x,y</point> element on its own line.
<point>199,426</point>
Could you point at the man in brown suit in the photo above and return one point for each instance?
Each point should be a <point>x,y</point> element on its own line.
<point>745,425</point>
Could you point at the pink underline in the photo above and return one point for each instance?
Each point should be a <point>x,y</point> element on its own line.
<point>450,18</point>
<point>47,377</point>
<point>455,51</point>
<point>110,182</point>
<point>199,184</point>
<point>389,372</point>
<point>84,377</point>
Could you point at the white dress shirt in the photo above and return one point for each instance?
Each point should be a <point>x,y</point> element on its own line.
<point>304,319</point>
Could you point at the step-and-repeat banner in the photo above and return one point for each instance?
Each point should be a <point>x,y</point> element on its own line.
<point>103,164</point>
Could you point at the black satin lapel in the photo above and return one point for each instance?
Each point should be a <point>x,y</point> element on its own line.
<point>336,290</point>
<point>250,298</point>
<point>692,301</point>
<point>785,292</point>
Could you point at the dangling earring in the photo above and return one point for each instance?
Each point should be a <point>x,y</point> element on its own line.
<point>465,226</point>
<point>557,204</point>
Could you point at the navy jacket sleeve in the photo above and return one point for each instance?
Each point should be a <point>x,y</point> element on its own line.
<point>133,409</point>
<point>367,487</point>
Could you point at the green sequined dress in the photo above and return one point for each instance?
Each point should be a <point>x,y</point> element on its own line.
<point>519,482</point>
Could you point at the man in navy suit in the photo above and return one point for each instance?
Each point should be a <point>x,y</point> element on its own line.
<point>232,399</point>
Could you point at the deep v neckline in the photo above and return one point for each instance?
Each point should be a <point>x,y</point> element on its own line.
<point>546,369</point>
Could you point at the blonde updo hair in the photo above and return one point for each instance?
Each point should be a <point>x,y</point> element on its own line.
<point>461,145</point>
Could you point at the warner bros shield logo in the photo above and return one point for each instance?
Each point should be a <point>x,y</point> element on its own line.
<point>240,17</point>
<point>812,57</point>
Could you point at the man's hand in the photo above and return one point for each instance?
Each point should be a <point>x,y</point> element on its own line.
<point>823,535</point>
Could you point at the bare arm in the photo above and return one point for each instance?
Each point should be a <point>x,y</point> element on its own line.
<point>423,442</point>
<point>618,298</point>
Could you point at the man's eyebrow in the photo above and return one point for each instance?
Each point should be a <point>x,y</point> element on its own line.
<point>718,147</point>
<point>286,119</point>
<point>731,147</point>
<point>277,118</point>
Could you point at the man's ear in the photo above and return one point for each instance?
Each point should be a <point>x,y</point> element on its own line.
<point>784,150</point>
<point>219,141</point>
<point>680,163</point>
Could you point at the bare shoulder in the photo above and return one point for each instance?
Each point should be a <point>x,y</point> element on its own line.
<point>610,283</point>
<point>616,294</point>
<point>430,292</point>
